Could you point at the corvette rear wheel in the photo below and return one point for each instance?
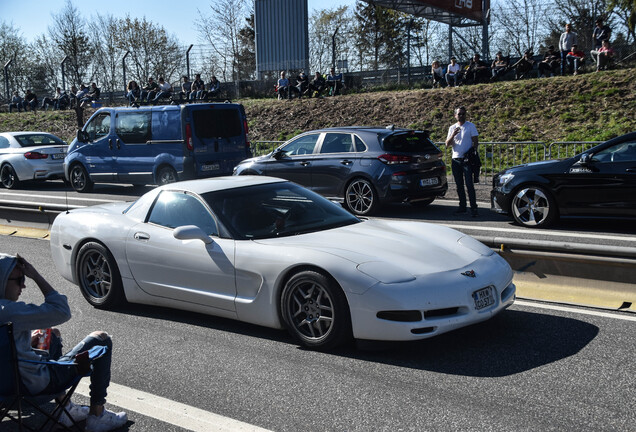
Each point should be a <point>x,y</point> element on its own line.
<point>315,310</point>
<point>533,207</point>
<point>360,197</point>
<point>98,276</point>
<point>8,177</point>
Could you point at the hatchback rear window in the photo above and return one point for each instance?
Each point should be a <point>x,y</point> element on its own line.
<point>409,142</point>
<point>217,123</point>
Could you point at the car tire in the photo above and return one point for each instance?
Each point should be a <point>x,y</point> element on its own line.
<point>79,179</point>
<point>422,203</point>
<point>315,310</point>
<point>166,175</point>
<point>98,276</point>
<point>8,177</point>
<point>533,207</point>
<point>360,197</point>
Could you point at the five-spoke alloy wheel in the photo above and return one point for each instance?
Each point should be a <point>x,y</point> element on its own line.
<point>98,276</point>
<point>533,207</point>
<point>79,179</point>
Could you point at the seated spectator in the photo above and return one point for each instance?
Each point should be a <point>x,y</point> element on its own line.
<point>54,101</point>
<point>551,63</point>
<point>575,58</point>
<point>452,72</point>
<point>82,92</point>
<point>165,90</point>
<point>317,85</point>
<point>63,102</point>
<point>282,86</point>
<point>478,71</point>
<point>133,93</point>
<point>302,84</point>
<point>437,72</point>
<point>334,82</point>
<point>500,66</point>
<point>30,100</point>
<point>186,88</point>
<point>603,55</point>
<point>16,102</point>
<point>214,88</point>
<point>92,95</point>
<point>198,88</point>
<point>524,65</point>
<point>149,91</point>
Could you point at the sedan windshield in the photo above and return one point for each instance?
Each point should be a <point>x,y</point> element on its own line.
<point>35,140</point>
<point>275,209</point>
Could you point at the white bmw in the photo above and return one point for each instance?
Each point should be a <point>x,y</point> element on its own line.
<point>269,252</point>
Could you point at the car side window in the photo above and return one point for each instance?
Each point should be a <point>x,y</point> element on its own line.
<point>98,127</point>
<point>133,127</point>
<point>302,145</point>
<point>337,143</point>
<point>360,145</point>
<point>4,143</point>
<point>622,152</point>
<point>173,209</point>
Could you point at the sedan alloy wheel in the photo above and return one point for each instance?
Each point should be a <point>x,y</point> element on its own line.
<point>533,207</point>
<point>360,197</point>
<point>8,177</point>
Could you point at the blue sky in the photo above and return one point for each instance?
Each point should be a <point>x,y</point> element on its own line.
<point>32,17</point>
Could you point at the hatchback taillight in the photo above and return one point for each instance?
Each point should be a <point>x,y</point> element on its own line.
<point>188,137</point>
<point>392,159</point>
<point>35,155</point>
<point>248,144</point>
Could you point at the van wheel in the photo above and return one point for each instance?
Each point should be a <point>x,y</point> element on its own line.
<point>166,175</point>
<point>79,179</point>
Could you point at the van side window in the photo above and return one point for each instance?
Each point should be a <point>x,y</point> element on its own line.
<point>98,127</point>
<point>217,123</point>
<point>166,125</point>
<point>133,127</point>
<point>174,209</point>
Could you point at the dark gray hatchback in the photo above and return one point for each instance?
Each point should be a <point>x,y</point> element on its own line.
<point>363,167</point>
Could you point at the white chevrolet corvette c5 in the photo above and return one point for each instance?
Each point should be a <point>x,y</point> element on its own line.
<point>269,252</point>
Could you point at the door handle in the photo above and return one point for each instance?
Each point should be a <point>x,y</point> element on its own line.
<point>110,143</point>
<point>631,170</point>
<point>345,162</point>
<point>118,145</point>
<point>141,236</point>
<point>304,163</point>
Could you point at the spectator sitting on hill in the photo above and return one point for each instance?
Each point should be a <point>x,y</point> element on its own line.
<point>437,72</point>
<point>334,82</point>
<point>317,85</point>
<point>478,71</point>
<point>302,84</point>
<point>499,67</point>
<point>133,92</point>
<point>54,101</point>
<point>165,90</point>
<point>282,86</point>
<point>197,89</point>
<point>16,102</point>
<point>92,95</point>
<point>149,91</point>
<point>603,55</point>
<point>30,100</point>
<point>524,65</point>
<point>452,72</point>
<point>550,63</point>
<point>213,88</point>
<point>575,57</point>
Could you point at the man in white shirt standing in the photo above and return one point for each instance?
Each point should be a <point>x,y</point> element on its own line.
<point>462,136</point>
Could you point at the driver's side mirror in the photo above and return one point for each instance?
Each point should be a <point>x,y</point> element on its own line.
<point>82,136</point>
<point>586,159</point>
<point>191,232</point>
<point>278,153</point>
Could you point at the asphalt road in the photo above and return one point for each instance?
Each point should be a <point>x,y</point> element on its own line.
<point>530,368</point>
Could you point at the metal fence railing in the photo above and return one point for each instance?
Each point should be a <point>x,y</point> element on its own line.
<point>495,156</point>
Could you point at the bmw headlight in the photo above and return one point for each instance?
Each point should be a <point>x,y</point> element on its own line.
<point>504,179</point>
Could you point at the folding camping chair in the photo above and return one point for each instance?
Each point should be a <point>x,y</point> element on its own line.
<point>13,395</point>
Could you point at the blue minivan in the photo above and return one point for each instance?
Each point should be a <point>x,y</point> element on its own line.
<point>157,144</point>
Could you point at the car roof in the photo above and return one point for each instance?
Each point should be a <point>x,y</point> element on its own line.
<point>26,133</point>
<point>221,183</point>
<point>372,129</point>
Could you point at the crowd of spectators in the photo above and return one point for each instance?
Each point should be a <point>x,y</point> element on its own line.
<point>330,85</point>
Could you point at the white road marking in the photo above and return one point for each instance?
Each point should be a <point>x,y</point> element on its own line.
<point>542,233</point>
<point>168,411</point>
<point>575,310</point>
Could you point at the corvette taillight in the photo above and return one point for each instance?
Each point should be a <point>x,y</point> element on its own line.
<point>35,155</point>
<point>391,159</point>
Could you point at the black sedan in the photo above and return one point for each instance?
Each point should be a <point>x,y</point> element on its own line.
<point>360,166</point>
<point>598,182</point>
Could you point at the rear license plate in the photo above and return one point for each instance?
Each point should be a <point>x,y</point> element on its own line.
<point>210,167</point>
<point>58,155</point>
<point>484,298</point>
<point>429,181</point>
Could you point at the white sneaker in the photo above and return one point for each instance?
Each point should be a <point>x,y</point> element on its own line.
<point>77,412</point>
<point>106,422</point>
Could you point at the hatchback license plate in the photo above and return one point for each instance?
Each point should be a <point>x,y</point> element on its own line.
<point>429,181</point>
<point>211,167</point>
<point>484,298</point>
<point>58,156</point>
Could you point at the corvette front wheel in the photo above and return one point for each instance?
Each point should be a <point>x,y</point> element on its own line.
<point>98,276</point>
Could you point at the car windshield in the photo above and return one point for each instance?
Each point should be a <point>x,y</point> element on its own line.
<point>275,210</point>
<point>34,140</point>
<point>409,142</point>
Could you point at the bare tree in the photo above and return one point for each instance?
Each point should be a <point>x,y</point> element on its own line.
<point>520,25</point>
<point>108,55</point>
<point>329,33</point>
<point>13,48</point>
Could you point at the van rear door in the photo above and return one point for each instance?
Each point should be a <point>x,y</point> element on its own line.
<point>218,138</point>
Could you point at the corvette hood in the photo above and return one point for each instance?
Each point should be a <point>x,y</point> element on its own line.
<point>114,207</point>
<point>414,247</point>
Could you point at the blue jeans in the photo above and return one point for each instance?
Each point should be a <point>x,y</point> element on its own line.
<point>463,173</point>
<point>564,62</point>
<point>62,376</point>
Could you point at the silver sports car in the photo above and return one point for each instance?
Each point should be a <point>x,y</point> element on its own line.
<point>30,156</point>
<point>267,251</point>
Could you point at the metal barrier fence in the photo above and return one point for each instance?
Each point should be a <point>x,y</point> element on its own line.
<point>495,156</point>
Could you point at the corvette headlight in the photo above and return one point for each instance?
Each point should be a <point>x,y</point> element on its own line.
<point>505,178</point>
<point>475,245</point>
